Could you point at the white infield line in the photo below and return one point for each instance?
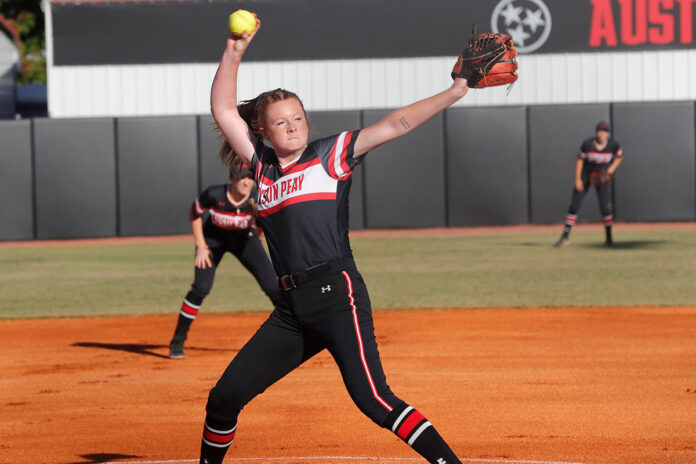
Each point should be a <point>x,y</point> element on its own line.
<point>343,458</point>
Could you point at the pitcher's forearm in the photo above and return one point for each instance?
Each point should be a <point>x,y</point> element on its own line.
<point>223,95</point>
<point>404,120</point>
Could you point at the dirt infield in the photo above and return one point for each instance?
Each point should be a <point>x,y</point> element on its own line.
<point>581,385</point>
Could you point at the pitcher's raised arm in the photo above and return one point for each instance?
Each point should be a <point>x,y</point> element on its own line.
<point>223,97</point>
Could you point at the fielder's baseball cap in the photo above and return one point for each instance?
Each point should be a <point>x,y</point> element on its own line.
<point>602,126</point>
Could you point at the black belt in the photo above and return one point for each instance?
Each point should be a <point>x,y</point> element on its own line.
<point>290,281</point>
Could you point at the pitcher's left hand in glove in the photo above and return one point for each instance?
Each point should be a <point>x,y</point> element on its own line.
<point>489,60</point>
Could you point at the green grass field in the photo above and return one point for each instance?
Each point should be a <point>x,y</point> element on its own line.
<point>646,267</point>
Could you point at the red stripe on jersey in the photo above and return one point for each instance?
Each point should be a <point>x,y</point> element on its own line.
<point>288,166</point>
<point>293,169</point>
<point>342,160</point>
<point>189,310</point>
<point>263,179</point>
<point>297,199</point>
<point>344,177</point>
<point>409,424</point>
<point>332,158</point>
<point>258,169</point>
<point>344,153</point>
<point>302,167</point>
<point>332,155</point>
<point>216,438</point>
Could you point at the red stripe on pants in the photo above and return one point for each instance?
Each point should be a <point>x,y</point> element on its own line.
<point>360,344</point>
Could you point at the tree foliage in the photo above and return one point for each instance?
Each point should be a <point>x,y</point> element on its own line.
<point>27,17</point>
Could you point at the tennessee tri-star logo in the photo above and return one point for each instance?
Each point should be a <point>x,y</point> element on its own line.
<point>527,21</point>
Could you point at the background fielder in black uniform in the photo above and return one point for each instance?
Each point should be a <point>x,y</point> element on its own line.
<point>303,208</point>
<point>597,162</point>
<point>229,227</point>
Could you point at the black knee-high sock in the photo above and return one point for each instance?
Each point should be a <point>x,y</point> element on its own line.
<point>410,425</point>
<point>217,438</point>
<point>608,222</point>
<point>182,327</point>
<point>189,310</point>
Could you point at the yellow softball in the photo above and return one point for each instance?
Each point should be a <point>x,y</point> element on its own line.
<point>242,20</point>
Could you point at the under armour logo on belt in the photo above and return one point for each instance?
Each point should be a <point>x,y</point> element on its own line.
<point>326,289</point>
<point>441,461</point>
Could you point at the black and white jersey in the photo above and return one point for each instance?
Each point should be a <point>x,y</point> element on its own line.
<point>599,158</point>
<point>303,207</point>
<point>225,216</point>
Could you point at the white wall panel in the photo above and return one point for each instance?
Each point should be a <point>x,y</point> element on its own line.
<point>573,87</point>
<point>683,80</point>
<point>691,74</point>
<point>558,86</point>
<point>602,81</point>
<point>169,89</point>
<point>650,77</point>
<point>619,77</point>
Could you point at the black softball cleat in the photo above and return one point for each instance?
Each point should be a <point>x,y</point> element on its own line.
<point>563,241</point>
<point>176,351</point>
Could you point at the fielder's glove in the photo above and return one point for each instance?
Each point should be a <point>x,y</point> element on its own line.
<point>489,60</point>
<point>599,178</point>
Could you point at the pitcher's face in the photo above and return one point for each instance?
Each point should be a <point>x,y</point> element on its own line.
<point>286,126</point>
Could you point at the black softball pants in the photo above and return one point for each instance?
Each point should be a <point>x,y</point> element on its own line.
<point>249,251</point>
<point>331,312</point>
<point>603,194</point>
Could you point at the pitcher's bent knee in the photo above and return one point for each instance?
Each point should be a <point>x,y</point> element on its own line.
<point>224,403</point>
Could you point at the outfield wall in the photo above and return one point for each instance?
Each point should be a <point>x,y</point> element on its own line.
<point>73,178</point>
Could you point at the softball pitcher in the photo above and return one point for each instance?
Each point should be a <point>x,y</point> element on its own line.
<point>303,209</point>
